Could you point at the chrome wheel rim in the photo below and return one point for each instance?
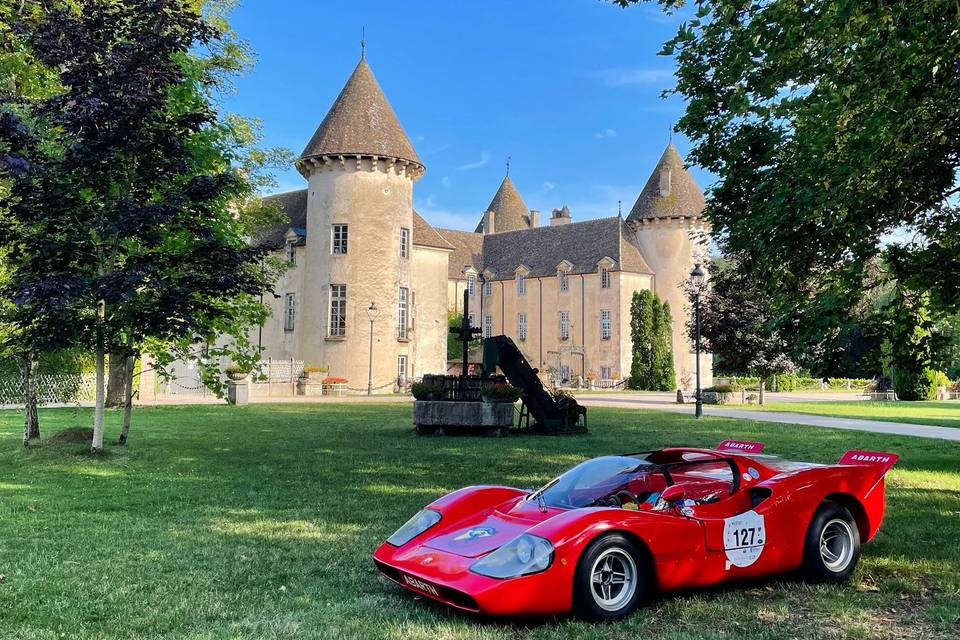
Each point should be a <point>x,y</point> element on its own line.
<point>613,579</point>
<point>836,545</point>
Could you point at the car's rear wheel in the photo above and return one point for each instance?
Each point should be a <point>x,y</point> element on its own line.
<point>610,580</point>
<point>832,546</point>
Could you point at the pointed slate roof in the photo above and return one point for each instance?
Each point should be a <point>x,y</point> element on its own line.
<point>361,121</point>
<point>511,212</point>
<point>670,191</point>
<point>294,204</point>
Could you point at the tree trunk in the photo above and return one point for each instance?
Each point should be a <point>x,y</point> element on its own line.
<point>97,445</point>
<point>127,399</point>
<point>31,426</point>
<point>116,379</point>
<point>763,383</point>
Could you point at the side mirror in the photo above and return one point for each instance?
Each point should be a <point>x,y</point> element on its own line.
<point>673,493</point>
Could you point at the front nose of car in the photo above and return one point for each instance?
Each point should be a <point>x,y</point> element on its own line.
<point>446,577</point>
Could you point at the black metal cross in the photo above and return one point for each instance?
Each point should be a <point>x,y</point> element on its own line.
<point>465,333</point>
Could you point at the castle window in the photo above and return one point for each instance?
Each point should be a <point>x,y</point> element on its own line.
<point>289,312</point>
<point>291,253</point>
<point>521,326</point>
<point>564,280</point>
<point>403,314</point>
<point>338,311</point>
<point>564,325</point>
<point>402,369</point>
<point>471,285</point>
<point>605,324</point>
<point>488,288</point>
<point>521,285</point>
<point>338,244</point>
<point>487,326</point>
<point>604,278</point>
<point>404,243</point>
<point>605,373</point>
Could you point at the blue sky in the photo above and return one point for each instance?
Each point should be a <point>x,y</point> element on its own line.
<point>570,89</point>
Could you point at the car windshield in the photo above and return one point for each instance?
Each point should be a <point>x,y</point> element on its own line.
<point>593,482</point>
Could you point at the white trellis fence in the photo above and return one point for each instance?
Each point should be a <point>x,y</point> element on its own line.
<point>52,388</point>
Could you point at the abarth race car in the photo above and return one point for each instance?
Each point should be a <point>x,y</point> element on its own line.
<point>598,539</point>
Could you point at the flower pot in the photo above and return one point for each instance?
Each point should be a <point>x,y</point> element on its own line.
<point>237,375</point>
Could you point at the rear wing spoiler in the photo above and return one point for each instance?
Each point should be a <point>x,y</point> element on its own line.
<point>740,446</point>
<point>881,462</point>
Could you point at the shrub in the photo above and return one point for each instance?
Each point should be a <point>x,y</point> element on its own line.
<point>312,368</point>
<point>722,388</point>
<point>426,391</point>
<point>915,385</point>
<point>563,399</point>
<point>501,392</point>
<point>236,368</point>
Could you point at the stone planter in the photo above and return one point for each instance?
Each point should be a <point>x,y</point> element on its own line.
<point>238,392</point>
<point>237,375</point>
<point>720,397</point>
<point>430,416</point>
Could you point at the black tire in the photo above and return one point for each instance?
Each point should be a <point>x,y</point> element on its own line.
<point>831,548</point>
<point>606,600</point>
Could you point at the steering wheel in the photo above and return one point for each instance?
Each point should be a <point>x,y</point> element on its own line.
<point>624,496</point>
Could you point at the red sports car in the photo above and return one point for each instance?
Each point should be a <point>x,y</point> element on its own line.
<point>599,538</point>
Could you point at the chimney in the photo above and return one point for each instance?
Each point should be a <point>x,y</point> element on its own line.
<point>489,222</point>
<point>560,216</point>
<point>534,219</point>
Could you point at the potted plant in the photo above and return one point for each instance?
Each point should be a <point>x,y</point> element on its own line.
<point>314,373</point>
<point>591,379</point>
<point>426,391</point>
<point>333,385</point>
<point>237,372</point>
<point>500,392</point>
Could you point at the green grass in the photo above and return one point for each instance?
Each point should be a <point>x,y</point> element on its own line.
<point>259,522</point>
<point>941,414</point>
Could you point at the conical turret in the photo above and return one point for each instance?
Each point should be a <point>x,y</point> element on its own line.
<point>670,192</point>
<point>361,122</point>
<point>509,211</point>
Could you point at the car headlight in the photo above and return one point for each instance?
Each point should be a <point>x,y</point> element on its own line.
<point>521,556</point>
<point>420,522</point>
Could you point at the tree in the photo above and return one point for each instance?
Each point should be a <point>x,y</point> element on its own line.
<point>738,326</point>
<point>663,375</point>
<point>651,335</point>
<point>145,207</point>
<point>832,127</point>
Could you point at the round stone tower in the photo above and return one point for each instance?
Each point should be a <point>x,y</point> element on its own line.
<point>673,237</point>
<point>360,168</point>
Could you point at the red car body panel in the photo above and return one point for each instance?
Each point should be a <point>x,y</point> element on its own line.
<point>685,549</point>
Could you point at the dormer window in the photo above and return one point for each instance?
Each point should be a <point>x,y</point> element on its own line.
<point>564,280</point>
<point>291,252</point>
<point>604,278</point>
<point>521,285</point>
<point>471,284</point>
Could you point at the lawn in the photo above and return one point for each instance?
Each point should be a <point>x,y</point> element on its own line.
<point>259,522</point>
<point>942,414</point>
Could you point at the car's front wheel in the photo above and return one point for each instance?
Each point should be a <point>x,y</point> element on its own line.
<point>832,546</point>
<point>610,580</point>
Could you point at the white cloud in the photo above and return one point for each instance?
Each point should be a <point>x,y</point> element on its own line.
<point>445,181</point>
<point>606,133</point>
<point>549,186</point>
<point>484,159</point>
<point>622,77</point>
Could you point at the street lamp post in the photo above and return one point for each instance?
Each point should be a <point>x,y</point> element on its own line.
<point>372,313</point>
<point>697,277</point>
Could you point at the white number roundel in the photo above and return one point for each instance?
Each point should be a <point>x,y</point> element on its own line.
<point>744,536</point>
